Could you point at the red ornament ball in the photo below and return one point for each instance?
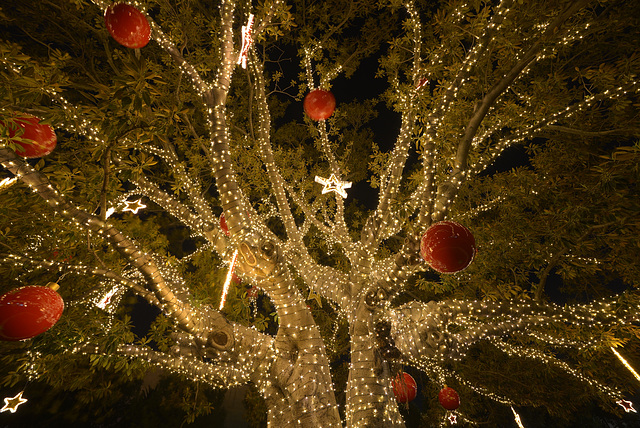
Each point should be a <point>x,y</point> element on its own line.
<point>449,398</point>
<point>448,247</point>
<point>223,225</point>
<point>41,138</point>
<point>127,25</point>
<point>319,104</point>
<point>29,311</point>
<point>404,387</point>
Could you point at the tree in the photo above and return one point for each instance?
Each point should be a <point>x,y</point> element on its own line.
<point>339,301</point>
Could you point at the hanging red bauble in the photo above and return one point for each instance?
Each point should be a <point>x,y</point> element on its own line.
<point>42,138</point>
<point>449,398</point>
<point>223,225</point>
<point>29,311</point>
<point>404,387</point>
<point>127,25</point>
<point>448,247</point>
<point>319,104</point>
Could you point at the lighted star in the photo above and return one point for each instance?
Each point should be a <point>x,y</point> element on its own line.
<point>626,405</point>
<point>246,42</point>
<point>12,403</point>
<point>134,206</point>
<point>332,184</point>
<point>453,418</point>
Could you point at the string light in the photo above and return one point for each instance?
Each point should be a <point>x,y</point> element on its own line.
<point>420,331</point>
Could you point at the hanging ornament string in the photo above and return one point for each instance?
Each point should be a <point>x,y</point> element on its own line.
<point>225,288</point>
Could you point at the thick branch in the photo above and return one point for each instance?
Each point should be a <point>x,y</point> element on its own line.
<point>40,184</point>
<point>448,189</point>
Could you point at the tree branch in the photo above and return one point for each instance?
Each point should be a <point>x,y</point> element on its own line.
<point>448,189</point>
<point>40,184</point>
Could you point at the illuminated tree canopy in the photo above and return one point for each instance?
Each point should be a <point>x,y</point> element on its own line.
<point>518,120</point>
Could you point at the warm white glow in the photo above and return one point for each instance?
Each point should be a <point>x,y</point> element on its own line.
<point>107,298</point>
<point>225,288</point>
<point>7,182</point>
<point>246,42</point>
<point>134,206</point>
<point>517,417</point>
<point>11,403</point>
<point>332,184</point>
<point>626,405</point>
<point>626,363</point>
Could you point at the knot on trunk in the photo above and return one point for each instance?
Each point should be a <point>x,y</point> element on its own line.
<point>258,261</point>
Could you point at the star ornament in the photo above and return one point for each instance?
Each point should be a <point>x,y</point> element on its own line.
<point>626,405</point>
<point>134,206</point>
<point>11,403</point>
<point>453,418</point>
<point>332,184</point>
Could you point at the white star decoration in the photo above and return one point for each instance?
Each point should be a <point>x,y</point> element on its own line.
<point>11,403</point>
<point>626,405</point>
<point>134,206</point>
<point>332,184</point>
<point>453,419</point>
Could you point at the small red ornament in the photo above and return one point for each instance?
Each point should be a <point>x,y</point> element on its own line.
<point>29,311</point>
<point>448,247</point>
<point>42,137</point>
<point>127,25</point>
<point>404,387</point>
<point>223,225</point>
<point>449,398</point>
<point>319,104</point>
<point>236,279</point>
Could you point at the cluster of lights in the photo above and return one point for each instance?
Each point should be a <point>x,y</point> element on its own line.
<point>369,395</point>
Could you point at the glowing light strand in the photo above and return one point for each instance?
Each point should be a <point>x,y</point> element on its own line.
<point>225,287</point>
